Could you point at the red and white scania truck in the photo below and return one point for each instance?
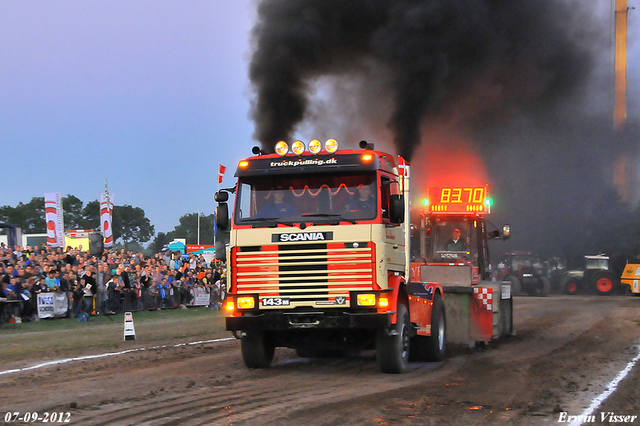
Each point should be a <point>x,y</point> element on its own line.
<point>319,259</point>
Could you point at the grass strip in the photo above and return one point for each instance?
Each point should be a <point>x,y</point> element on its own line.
<point>46,339</point>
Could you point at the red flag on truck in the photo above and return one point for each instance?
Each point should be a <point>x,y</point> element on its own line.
<point>221,170</point>
<point>402,166</point>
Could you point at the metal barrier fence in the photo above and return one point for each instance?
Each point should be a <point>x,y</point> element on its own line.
<point>112,302</point>
<point>147,299</point>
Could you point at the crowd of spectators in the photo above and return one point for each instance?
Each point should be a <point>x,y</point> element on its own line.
<point>116,281</point>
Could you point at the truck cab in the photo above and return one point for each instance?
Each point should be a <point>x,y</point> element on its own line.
<point>318,255</point>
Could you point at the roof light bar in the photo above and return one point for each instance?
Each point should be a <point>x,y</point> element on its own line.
<point>331,146</point>
<point>298,147</point>
<point>282,148</point>
<point>315,146</point>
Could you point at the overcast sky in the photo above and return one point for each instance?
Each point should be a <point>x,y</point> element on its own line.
<point>150,95</point>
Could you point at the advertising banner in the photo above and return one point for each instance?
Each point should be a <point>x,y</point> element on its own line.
<point>207,251</point>
<point>200,296</point>
<point>52,304</point>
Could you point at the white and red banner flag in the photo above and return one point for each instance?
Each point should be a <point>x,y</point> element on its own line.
<point>54,219</point>
<point>106,214</point>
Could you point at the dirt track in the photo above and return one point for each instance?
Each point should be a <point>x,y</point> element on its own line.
<point>566,351</point>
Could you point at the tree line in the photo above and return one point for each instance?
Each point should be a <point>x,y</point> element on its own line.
<point>130,225</point>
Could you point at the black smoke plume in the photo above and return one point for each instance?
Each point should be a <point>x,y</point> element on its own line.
<point>528,82</point>
<point>515,56</point>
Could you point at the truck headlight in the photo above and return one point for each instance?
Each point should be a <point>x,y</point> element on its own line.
<point>366,299</point>
<point>248,302</point>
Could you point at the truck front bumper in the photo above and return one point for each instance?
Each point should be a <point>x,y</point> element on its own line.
<point>308,320</point>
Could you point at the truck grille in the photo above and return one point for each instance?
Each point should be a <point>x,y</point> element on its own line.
<point>307,274</point>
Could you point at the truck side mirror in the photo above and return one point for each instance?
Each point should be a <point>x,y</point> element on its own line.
<point>506,232</point>
<point>221,196</point>
<point>221,251</point>
<point>222,216</point>
<point>396,208</point>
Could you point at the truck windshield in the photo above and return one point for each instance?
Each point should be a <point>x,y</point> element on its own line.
<point>292,198</point>
<point>453,239</point>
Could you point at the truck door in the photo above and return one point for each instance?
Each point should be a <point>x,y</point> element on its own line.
<point>394,234</point>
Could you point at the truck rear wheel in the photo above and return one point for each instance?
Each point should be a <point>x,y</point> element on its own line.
<point>257,350</point>
<point>392,349</point>
<point>604,282</point>
<point>432,348</point>
<point>435,344</point>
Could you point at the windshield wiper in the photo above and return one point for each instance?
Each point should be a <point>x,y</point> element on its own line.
<point>331,215</point>
<point>271,220</point>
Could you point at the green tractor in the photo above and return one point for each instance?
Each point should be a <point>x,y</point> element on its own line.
<point>595,276</point>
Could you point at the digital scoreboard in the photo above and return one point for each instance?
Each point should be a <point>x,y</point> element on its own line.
<point>458,199</point>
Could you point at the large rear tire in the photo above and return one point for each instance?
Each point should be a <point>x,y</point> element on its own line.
<point>392,349</point>
<point>604,283</point>
<point>516,285</point>
<point>257,350</point>
<point>544,287</point>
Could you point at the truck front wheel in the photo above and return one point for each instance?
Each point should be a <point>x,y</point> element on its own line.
<point>257,350</point>
<point>392,349</point>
